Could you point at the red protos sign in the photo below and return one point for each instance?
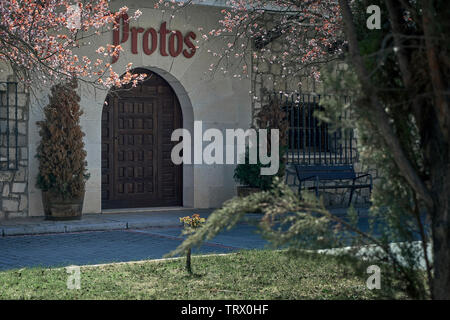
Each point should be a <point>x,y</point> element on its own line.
<point>173,44</point>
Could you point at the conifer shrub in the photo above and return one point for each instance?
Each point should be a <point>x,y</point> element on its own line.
<point>61,154</point>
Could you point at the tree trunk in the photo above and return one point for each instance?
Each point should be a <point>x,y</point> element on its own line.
<point>188,261</point>
<point>440,224</point>
<point>433,184</point>
<point>441,254</point>
<point>438,148</point>
<point>377,110</point>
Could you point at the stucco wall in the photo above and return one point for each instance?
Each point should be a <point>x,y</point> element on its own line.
<point>220,102</point>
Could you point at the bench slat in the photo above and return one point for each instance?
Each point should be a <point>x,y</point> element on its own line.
<point>356,186</point>
<point>325,172</point>
<point>325,167</point>
<point>326,175</point>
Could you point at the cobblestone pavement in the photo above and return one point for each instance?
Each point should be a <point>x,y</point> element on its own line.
<point>57,250</point>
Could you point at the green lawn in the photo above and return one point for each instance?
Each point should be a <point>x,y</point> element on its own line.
<point>244,275</point>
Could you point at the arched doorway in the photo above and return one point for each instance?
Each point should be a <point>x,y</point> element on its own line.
<point>137,124</point>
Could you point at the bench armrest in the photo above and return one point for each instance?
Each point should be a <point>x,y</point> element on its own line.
<point>363,175</point>
<point>290,172</point>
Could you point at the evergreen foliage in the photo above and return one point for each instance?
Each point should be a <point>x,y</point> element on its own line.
<point>395,215</point>
<point>397,77</point>
<point>61,154</point>
<point>271,116</point>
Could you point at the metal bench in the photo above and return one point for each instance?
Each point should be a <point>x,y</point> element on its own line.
<point>318,173</point>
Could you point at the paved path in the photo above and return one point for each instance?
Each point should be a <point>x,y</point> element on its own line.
<point>105,238</point>
<point>99,222</point>
<point>97,247</point>
<point>109,221</point>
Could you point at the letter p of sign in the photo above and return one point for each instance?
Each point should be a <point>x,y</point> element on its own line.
<point>374,281</point>
<point>374,21</point>
<point>73,281</point>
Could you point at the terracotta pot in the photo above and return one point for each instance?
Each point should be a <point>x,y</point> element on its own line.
<point>56,208</point>
<point>243,191</point>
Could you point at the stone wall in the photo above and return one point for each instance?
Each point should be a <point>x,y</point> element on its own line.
<point>269,78</point>
<point>14,180</point>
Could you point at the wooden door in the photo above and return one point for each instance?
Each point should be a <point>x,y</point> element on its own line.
<point>137,124</point>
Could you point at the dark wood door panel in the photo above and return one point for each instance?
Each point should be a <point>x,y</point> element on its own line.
<point>137,170</point>
<point>134,174</point>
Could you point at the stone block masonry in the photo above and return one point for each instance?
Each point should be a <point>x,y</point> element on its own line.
<point>14,181</point>
<point>268,78</point>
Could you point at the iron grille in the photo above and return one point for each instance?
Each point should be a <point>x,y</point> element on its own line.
<point>8,126</point>
<point>311,141</point>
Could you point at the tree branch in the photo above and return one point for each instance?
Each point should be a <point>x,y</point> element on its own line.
<point>441,105</point>
<point>377,111</point>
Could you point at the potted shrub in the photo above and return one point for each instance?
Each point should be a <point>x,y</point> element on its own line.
<point>62,158</point>
<point>271,116</point>
<point>249,177</point>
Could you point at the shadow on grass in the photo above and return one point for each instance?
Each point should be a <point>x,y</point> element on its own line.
<point>194,275</point>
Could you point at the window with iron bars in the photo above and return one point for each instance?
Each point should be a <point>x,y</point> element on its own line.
<point>8,126</point>
<point>311,141</point>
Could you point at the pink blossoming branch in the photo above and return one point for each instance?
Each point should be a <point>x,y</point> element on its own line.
<point>310,31</point>
<point>39,40</point>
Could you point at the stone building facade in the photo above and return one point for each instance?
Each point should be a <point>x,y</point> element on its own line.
<point>270,79</point>
<point>14,162</point>
<point>219,101</point>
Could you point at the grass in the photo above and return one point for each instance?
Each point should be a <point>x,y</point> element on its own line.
<point>244,275</point>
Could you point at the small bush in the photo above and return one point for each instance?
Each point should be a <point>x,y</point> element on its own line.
<point>250,174</point>
<point>271,116</point>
